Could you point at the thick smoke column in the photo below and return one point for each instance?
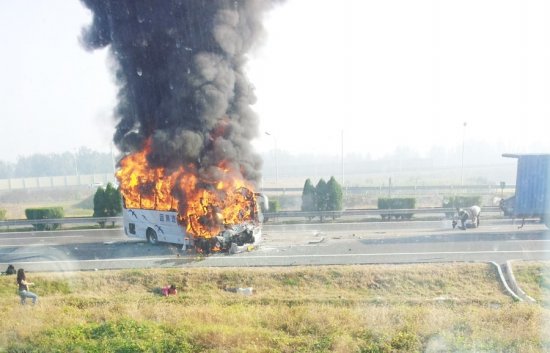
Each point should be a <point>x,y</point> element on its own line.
<point>179,65</point>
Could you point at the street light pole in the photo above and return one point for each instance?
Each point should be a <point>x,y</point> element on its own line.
<point>75,163</point>
<point>76,168</point>
<point>276,160</point>
<point>343,180</point>
<point>462,165</point>
<point>113,159</point>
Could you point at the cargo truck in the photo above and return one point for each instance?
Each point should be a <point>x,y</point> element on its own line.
<point>531,199</point>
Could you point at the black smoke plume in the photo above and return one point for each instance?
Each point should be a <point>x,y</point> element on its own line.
<point>179,66</point>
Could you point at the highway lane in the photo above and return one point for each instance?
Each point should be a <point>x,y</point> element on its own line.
<point>284,245</point>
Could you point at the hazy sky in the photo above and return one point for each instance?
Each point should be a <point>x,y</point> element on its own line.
<point>386,73</point>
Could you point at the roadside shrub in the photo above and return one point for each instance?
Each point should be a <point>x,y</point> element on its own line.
<point>325,196</point>
<point>274,205</point>
<point>308,197</point>
<point>335,196</point>
<point>2,215</point>
<point>385,203</point>
<point>107,203</point>
<point>45,213</point>
<point>403,341</point>
<point>455,202</point>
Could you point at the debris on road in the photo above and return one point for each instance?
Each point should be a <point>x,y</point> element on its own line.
<point>317,241</point>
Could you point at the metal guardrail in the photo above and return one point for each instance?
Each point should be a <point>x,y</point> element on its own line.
<point>80,220</point>
<point>373,212</point>
<point>358,189</point>
<point>283,214</point>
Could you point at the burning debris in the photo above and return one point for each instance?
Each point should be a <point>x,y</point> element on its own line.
<point>184,117</point>
<point>231,240</point>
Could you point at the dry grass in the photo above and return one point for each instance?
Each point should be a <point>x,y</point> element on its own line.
<point>405,308</point>
<point>17,210</point>
<point>534,279</point>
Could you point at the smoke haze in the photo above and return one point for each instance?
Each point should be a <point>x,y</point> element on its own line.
<point>179,67</point>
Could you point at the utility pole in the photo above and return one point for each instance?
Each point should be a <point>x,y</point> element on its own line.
<point>343,180</point>
<point>276,160</point>
<point>462,165</point>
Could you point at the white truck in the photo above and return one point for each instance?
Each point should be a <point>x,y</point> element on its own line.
<point>162,226</point>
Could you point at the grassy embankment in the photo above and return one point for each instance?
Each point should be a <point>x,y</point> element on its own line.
<point>534,279</point>
<point>76,201</point>
<point>402,308</point>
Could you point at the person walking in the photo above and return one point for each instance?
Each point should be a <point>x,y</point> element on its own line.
<point>24,292</point>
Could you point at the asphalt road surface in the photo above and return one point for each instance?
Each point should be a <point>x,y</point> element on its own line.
<point>285,245</point>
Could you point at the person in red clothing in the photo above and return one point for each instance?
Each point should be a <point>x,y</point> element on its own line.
<point>170,290</point>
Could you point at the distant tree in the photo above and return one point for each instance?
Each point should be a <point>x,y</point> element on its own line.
<point>321,197</point>
<point>107,202</point>
<point>113,201</point>
<point>274,205</point>
<point>6,170</point>
<point>334,195</point>
<point>308,197</point>
<point>90,162</point>
<point>100,202</point>
<point>84,161</point>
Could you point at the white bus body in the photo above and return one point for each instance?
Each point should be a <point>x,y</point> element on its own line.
<point>155,226</point>
<point>162,226</point>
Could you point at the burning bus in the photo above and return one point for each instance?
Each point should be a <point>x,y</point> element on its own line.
<point>181,207</point>
<point>184,122</point>
<point>166,226</point>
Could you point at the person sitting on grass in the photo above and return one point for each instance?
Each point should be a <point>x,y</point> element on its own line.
<point>169,290</point>
<point>10,270</point>
<point>24,287</point>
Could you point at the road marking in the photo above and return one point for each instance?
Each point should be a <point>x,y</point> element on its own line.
<point>34,245</point>
<point>105,260</point>
<point>389,254</point>
<point>209,259</point>
<point>53,236</point>
<point>526,240</point>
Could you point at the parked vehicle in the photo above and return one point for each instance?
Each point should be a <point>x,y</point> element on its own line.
<point>532,188</point>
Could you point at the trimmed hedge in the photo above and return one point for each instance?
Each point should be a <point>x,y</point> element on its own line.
<point>385,203</point>
<point>460,202</point>
<point>45,213</point>
<point>274,205</point>
<point>2,215</point>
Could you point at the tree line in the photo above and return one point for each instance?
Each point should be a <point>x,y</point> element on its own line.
<point>84,161</point>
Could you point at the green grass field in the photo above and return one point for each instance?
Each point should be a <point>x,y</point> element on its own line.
<point>397,308</point>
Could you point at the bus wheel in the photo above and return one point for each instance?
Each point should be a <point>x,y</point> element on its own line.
<point>152,237</point>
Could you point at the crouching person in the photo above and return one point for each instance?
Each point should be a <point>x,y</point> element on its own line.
<point>475,212</point>
<point>469,217</point>
<point>24,287</point>
<point>170,290</point>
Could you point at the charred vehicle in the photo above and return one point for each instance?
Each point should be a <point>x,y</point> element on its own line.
<point>205,210</point>
<point>166,226</point>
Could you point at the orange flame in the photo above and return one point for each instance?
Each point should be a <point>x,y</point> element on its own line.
<point>204,206</point>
